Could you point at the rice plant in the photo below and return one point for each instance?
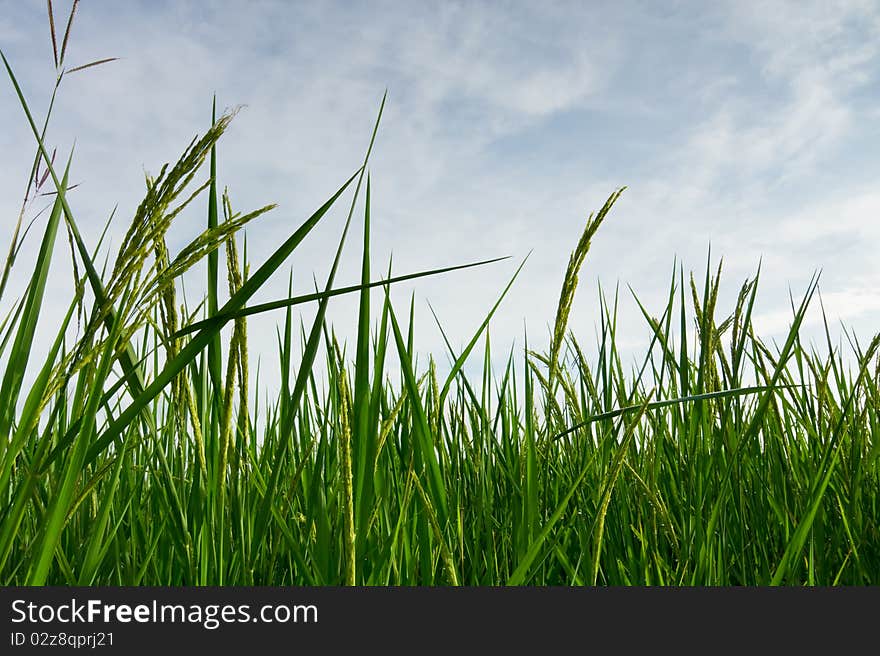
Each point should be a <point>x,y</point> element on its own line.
<point>136,456</point>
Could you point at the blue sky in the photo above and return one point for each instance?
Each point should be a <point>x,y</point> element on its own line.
<point>750,126</point>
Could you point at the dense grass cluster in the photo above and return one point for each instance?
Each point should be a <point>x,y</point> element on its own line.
<point>137,458</point>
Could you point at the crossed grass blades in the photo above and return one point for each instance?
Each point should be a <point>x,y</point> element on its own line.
<point>136,456</point>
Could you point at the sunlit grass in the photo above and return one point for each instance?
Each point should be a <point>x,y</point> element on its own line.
<point>136,458</point>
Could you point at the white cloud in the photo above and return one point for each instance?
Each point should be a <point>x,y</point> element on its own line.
<point>503,130</point>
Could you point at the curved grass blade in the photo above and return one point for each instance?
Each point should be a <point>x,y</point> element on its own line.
<point>224,315</point>
<point>740,391</point>
<point>21,348</point>
<point>204,336</point>
<point>462,358</point>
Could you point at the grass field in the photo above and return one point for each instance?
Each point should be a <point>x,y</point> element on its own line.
<point>136,456</point>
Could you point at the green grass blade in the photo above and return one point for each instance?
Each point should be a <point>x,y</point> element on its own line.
<point>518,577</point>
<point>204,336</point>
<point>461,359</point>
<point>654,405</point>
<point>364,434</point>
<point>214,352</point>
<point>21,349</point>
<point>425,448</point>
<point>224,316</point>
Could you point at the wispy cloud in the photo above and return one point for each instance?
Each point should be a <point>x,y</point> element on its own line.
<point>745,125</point>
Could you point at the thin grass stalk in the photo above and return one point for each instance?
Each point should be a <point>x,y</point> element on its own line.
<point>346,479</point>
